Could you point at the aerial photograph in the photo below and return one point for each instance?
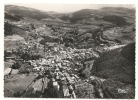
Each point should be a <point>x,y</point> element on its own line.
<point>69,51</point>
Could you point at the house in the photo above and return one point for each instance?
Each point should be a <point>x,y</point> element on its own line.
<point>7,71</point>
<point>8,51</point>
<point>19,59</point>
<point>10,58</point>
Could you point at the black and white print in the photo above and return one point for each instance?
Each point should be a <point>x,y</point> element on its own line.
<point>69,51</point>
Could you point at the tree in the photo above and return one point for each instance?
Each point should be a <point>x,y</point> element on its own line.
<point>16,65</point>
<point>129,52</point>
<point>85,73</point>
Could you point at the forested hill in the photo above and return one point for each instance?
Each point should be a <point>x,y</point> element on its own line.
<point>117,64</point>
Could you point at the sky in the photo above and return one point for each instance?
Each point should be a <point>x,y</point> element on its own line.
<point>66,8</point>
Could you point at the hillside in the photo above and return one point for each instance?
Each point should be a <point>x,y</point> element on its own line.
<point>107,14</point>
<point>27,12</point>
<point>118,64</point>
<point>117,67</point>
<point>111,15</point>
<point>118,9</point>
<point>12,17</point>
<point>10,29</point>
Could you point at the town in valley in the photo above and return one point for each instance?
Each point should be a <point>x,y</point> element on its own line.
<point>88,53</point>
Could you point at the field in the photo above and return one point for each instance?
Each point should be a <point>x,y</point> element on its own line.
<point>12,41</point>
<point>17,83</point>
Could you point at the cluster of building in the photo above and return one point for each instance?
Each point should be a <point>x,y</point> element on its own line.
<point>63,57</point>
<point>60,63</point>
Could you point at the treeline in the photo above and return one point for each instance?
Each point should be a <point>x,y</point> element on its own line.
<point>72,19</point>
<point>80,15</point>
<point>65,18</point>
<point>119,21</point>
<point>13,17</point>
<point>10,29</point>
<point>49,39</point>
